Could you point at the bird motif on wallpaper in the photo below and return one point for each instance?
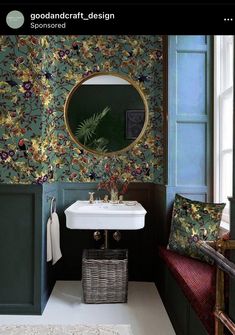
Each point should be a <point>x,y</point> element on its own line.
<point>143,78</point>
<point>22,147</point>
<point>93,176</point>
<point>12,83</point>
<point>48,75</point>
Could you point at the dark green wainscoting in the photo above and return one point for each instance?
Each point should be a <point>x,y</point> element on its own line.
<point>25,280</point>
<point>181,313</point>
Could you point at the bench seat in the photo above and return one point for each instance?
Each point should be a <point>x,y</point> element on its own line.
<point>197,281</point>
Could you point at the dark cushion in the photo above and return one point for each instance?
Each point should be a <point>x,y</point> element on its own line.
<point>192,221</point>
<point>197,281</point>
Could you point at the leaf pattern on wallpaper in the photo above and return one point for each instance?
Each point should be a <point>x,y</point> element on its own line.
<point>36,75</point>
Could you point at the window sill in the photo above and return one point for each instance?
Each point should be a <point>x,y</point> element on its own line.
<point>225,226</point>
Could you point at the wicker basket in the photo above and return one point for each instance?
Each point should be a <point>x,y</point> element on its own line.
<point>104,276</point>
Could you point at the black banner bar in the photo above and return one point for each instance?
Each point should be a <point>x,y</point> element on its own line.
<point>129,18</point>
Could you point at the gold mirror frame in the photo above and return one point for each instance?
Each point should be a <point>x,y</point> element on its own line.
<point>109,153</point>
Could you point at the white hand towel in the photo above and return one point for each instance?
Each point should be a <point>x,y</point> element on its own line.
<point>55,238</point>
<point>49,250</point>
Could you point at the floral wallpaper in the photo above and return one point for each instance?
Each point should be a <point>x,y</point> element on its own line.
<point>36,75</point>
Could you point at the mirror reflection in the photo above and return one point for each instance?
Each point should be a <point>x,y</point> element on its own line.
<point>106,113</point>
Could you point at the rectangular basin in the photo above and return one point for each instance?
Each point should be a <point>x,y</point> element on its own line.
<point>100,215</point>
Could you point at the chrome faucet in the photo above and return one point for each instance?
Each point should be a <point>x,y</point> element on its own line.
<point>91,199</point>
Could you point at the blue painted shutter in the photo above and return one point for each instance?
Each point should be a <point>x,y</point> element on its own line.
<point>190,99</point>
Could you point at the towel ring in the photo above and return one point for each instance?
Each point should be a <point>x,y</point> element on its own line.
<point>53,205</point>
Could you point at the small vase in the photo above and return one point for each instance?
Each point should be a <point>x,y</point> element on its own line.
<point>114,196</point>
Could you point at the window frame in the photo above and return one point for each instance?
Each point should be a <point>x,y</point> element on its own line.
<point>221,92</point>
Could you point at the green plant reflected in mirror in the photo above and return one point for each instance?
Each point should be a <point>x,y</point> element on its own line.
<point>106,113</point>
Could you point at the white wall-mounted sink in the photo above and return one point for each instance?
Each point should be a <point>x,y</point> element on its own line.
<point>99,215</point>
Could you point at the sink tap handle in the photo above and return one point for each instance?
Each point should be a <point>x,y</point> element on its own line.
<point>106,198</point>
<point>91,199</point>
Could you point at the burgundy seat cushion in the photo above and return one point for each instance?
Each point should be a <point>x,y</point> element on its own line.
<point>197,281</point>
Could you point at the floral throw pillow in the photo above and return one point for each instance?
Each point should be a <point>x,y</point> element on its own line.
<point>192,221</point>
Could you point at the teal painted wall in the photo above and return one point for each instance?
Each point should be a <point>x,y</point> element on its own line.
<point>36,75</point>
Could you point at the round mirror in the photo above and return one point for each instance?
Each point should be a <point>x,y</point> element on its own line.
<point>106,113</point>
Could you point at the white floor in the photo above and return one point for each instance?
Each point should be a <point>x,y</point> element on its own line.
<point>144,310</point>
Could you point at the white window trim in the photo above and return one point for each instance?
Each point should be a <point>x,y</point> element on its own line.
<point>216,119</point>
<point>217,141</point>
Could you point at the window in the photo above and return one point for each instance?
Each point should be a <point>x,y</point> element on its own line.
<point>223,122</point>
